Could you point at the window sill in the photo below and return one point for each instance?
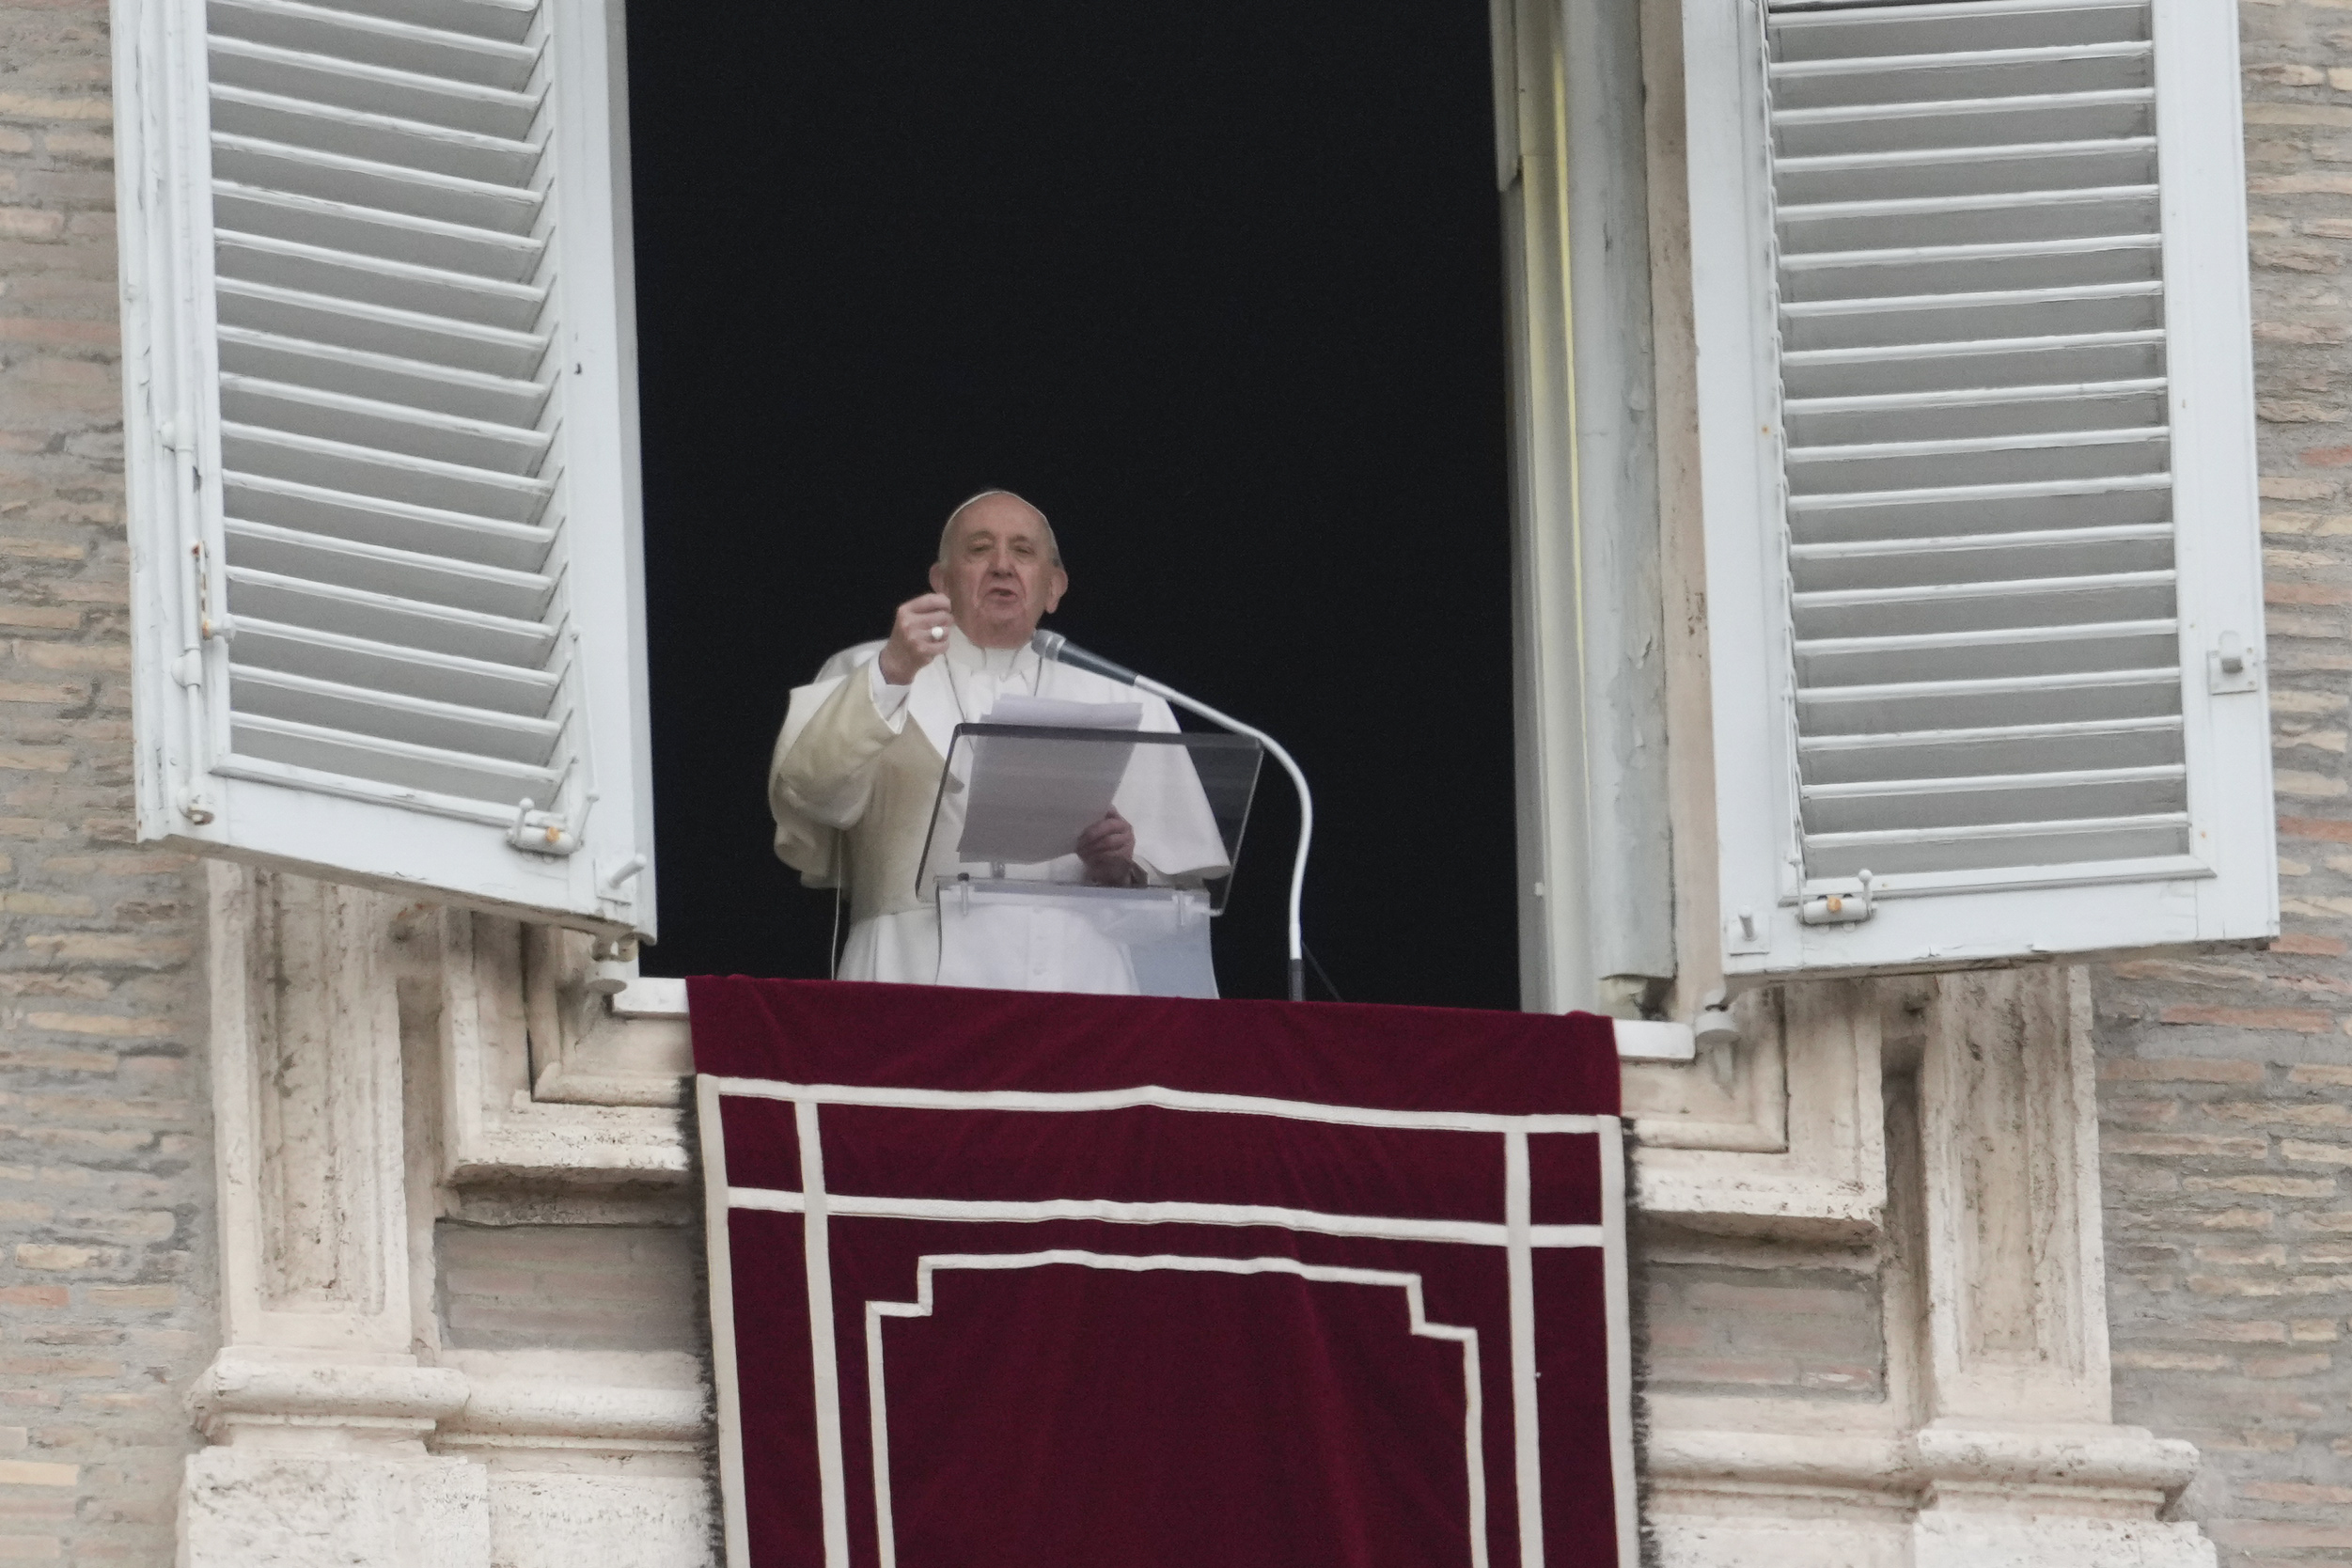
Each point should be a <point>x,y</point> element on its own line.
<point>654,999</point>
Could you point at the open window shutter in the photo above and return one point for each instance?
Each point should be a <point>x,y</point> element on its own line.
<point>1976,417</point>
<point>382,445</point>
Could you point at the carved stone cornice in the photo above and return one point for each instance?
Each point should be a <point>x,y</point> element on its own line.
<point>539,1410</point>
<point>2089,1469</point>
<point>244,1387</point>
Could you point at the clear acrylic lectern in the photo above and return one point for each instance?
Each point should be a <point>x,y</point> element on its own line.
<point>1016,910</point>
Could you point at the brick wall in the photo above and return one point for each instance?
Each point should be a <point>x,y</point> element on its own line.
<point>105,1170</point>
<point>570,1286</point>
<point>2226,1085</point>
<point>1787,1332</point>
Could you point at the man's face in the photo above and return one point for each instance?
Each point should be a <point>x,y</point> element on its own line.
<point>999,576</point>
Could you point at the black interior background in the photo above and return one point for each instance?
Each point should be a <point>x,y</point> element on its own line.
<point>1217,285</point>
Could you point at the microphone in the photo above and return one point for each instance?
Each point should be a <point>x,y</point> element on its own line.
<point>1053,645</point>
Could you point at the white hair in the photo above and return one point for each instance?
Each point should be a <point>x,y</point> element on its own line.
<point>947,532</point>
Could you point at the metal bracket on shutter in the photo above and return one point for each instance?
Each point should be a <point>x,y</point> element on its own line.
<point>2230,666</point>
<point>612,882</point>
<point>1839,908</point>
<point>190,799</point>
<point>1748,932</point>
<point>537,832</point>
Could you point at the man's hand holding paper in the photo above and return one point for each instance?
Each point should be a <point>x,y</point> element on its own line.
<point>1029,798</point>
<point>1108,850</point>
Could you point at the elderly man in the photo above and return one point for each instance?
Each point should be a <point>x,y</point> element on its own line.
<point>859,764</point>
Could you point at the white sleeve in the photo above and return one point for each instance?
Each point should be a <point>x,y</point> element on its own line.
<point>1176,831</point>
<point>889,700</point>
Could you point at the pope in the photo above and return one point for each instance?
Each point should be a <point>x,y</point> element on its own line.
<point>858,766</point>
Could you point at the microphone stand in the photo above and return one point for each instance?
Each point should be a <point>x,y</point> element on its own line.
<point>1053,645</point>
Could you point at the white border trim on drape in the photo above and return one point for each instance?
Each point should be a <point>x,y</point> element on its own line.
<point>719,1260</point>
<point>1166,1098</point>
<point>877,1398</point>
<point>987,1211</point>
<point>1517,1235</point>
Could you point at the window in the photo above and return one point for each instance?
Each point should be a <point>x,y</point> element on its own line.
<point>1974,404</point>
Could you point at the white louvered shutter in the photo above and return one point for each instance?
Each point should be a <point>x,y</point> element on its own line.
<point>382,445</point>
<point>1976,417</point>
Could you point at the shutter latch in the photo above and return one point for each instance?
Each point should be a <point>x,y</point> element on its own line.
<point>1840,908</point>
<point>2230,666</point>
<point>538,832</point>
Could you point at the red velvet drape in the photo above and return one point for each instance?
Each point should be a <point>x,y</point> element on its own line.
<point>1234,1376</point>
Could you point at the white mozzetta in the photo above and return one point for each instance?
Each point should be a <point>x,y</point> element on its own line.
<point>385,533</point>
<point>1981,571</point>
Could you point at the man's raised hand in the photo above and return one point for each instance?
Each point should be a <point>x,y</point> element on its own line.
<point>918,634</point>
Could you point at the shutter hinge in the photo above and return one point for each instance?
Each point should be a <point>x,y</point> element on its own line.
<point>212,627</point>
<point>1839,908</point>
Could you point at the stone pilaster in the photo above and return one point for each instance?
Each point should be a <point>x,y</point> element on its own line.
<point>317,1407</point>
<point>2017,1454</point>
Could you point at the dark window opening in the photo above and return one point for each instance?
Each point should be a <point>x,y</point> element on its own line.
<point>1218,286</point>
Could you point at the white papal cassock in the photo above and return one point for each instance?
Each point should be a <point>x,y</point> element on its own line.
<point>857,771</point>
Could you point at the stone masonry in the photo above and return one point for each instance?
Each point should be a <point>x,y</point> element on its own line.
<point>1785,1330</point>
<point>2227,1081</point>
<point>106,1248</point>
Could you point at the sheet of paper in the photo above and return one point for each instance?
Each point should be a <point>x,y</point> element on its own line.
<point>1030,799</point>
<point>1017,708</point>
